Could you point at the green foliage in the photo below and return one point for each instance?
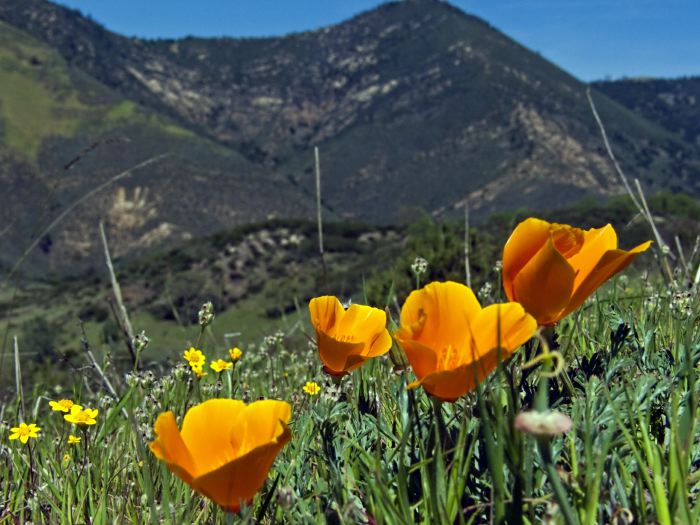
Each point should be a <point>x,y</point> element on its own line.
<point>369,448</point>
<point>442,245</point>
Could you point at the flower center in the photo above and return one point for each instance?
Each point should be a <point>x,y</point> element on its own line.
<point>450,358</point>
<point>345,338</point>
<point>567,240</point>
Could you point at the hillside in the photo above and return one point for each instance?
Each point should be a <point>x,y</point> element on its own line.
<point>414,105</point>
<point>50,112</point>
<point>259,277</point>
<point>673,103</point>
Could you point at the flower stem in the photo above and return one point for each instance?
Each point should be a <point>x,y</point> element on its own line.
<point>542,405</point>
<point>494,457</point>
<point>31,466</point>
<point>440,420</point>
<point>570,517</point>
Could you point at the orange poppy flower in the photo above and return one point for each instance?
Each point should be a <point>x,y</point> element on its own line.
<point>347,338</point>
<point>452,343</point>
<point>225,448</point>
<point>552,268</point>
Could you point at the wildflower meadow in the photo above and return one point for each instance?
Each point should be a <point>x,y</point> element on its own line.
<point>565,391</point>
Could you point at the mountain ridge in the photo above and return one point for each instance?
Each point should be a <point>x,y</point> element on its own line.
<point>674,103</point>
<point>414,105</point>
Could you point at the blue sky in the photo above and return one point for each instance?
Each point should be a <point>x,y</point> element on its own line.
<point>591,39</point>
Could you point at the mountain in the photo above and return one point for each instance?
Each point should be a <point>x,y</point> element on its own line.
<point>414,105</point>
<point>51,111</point>
<point>673,103</point>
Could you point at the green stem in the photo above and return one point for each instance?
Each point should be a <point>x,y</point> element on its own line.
<point>542,405</point>
<point>137,355</point>
<point>516,507</point>
<point>229,381</point>
<point>542,397</point>
<point>570,517</point>
<point>32,483</point>
<point>199,338</point>
<point>441,427</point>
<point>494,457</point>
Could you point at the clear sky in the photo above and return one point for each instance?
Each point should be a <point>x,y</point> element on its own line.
<point>591,39</point>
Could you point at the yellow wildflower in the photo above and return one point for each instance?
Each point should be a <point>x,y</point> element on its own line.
<point>312,388</point>
<point>235,353</point>
<point>23,432</point>
<point>80,416</point>
<point>64,405</point>
<point>220,365</point>
<point>73,440</point>
<point>198,371</point>
<point>194,357</point>
<point>66,458</point>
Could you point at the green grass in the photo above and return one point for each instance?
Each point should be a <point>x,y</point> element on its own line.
<point>127,113</point>
<point>122,111</point>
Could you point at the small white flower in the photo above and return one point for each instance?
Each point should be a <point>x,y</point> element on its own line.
<point>419,266</point>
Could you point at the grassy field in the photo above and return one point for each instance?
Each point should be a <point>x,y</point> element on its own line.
<point>367,450</point>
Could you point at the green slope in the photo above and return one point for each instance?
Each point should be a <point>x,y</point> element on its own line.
<point>50,112</point>
<point>42,97</point>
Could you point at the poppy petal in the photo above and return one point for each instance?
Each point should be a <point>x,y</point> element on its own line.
<point>596,242</point>
<point>423,359</point>
<point>169,447</point>
<point>239,480</point>
<point>527,239</point>
<point>610,263</point>
<point>438,314</point>
<point>449,385</point>
<point>334,353</point>
<point>206,431</point>
<point>258,424</point>
<point>516,327</point>
<point>567,240</point>
<point>380,346</point>
<point>354,361</point>
<point>325,312</point>
<point>361,321</point>
<point>544,285</point>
